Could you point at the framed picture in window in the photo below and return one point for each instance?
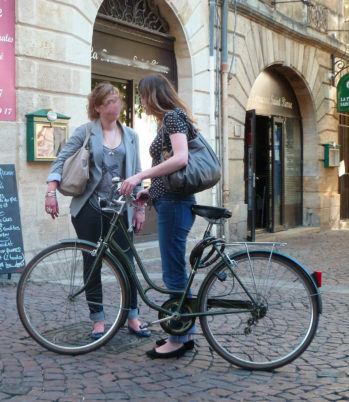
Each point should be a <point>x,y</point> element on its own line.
<point>47,133</point>
<point>49,140</point>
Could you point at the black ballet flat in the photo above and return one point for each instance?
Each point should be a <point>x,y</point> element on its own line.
<point>175,353</point>
<point>189,345</point>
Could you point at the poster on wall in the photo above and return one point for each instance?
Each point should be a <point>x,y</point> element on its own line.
<point>7,61</point>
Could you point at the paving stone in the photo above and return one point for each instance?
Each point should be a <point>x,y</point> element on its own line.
<point>122,371</point>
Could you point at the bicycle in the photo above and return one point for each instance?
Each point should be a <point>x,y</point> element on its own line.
<point>258,308</point>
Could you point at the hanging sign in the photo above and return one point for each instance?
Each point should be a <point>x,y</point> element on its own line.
<point>7,61</point>
<point>343,94</point>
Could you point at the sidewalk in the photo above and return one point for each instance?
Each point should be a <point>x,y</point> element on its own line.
<point>121,371</point>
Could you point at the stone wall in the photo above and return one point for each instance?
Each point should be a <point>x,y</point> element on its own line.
<point>53,70</point>
<point>53,41</point>
<point>307,69</point>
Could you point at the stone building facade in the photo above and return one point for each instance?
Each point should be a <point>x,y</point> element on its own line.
<point>268,104</point>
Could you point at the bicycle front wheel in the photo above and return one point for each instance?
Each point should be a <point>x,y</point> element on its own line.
<point>271,333</point>
<point>53,312</point>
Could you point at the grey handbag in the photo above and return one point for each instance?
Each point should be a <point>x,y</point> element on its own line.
<point>75,172</point>
<point>203,170</point>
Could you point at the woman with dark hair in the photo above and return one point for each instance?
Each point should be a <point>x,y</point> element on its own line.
<point>175,218</point>
<point>114,151</point>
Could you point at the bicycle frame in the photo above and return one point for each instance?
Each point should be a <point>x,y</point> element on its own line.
<point>101,249</point>
<point>237,306</point>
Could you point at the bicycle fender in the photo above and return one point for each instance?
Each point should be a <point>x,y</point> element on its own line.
<point>117,262</point>
<point>294,261</point>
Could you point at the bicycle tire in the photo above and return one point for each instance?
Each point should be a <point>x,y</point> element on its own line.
<point>44,303</point>
<point>288,300</point>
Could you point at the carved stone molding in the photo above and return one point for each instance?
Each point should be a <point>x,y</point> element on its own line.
<point>317,17</point>
<point>142,13</point>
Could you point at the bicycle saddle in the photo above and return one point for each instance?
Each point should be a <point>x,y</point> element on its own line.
<point>210,212</point>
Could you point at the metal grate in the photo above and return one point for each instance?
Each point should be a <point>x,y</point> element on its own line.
<point>143,13</point>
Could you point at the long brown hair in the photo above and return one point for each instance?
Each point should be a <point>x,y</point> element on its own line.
<point>160,96</point>
<point>97,97</point>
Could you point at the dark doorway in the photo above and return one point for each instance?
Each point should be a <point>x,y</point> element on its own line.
<point>273,154</point>
<point>343,135</point>
<point>273,173</point>
<point>130,40</point>
<point>129,91</point>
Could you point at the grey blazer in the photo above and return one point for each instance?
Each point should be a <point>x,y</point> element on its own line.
<point>75,142</point>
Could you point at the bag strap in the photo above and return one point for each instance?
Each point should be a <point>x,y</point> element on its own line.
<point>163,141</point>
<point>192,132</point>
<point>88,133</point>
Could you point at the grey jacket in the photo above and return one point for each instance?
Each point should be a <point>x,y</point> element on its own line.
<point>75,142</point>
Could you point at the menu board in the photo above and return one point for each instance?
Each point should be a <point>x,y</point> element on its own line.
<point>11,241</point>
<point>7,61</point>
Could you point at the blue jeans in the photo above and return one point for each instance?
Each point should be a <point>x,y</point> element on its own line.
<point>175,220</point>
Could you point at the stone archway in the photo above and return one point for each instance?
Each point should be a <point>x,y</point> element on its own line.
<point>176,27</point>
<point>259,47</point>
<point>273,154</point>
<point>131,40</point>
<point>311,198</point>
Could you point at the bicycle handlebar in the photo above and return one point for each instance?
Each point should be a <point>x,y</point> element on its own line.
<point>110,203</point>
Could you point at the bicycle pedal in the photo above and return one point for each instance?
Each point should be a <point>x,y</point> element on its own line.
<point>145,325</point>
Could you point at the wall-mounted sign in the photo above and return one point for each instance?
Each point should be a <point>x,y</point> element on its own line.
<point>331,154</point>
<point>47,132</point>
<point>343,94</point>
<point>271,94</point>
<point>125,51</point>
<point>7,61</point>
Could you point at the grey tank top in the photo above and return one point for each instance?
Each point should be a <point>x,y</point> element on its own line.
<point>113,165</point>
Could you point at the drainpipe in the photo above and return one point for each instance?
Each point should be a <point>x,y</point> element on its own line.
<point>225,133</point>
<point>212,93</point>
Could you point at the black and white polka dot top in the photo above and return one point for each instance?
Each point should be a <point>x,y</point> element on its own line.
<point>175,121</point>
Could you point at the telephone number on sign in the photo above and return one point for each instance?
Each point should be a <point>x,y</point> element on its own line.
<point>6,110</point>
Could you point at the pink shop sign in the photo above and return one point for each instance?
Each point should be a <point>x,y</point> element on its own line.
<point>7,61</point>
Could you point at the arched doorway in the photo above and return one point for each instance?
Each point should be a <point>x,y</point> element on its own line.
<point>130,40</point>
<point>273,155</point>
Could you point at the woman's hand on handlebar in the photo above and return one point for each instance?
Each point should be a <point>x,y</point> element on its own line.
<point>129,184</point>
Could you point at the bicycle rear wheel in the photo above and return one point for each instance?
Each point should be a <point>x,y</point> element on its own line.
<point>276,332</point>
<point>54,317</point>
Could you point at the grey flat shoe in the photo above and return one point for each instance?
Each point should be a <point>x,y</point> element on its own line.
<point>142,333</point>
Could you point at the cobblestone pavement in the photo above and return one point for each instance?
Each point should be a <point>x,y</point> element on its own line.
<point>121,371</point>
